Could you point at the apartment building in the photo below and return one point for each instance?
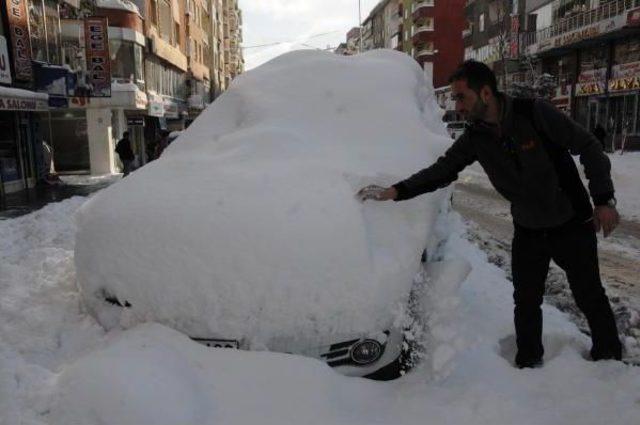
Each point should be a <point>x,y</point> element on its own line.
<point>232,27</point>
<point>217,65</point>
<point>421,28</point>
<point>199,54</point>
<point>88,71</point>
<point>428,27</point>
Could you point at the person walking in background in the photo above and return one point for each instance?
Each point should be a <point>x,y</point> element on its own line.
<point>525,147</point>
<point>123,148</point>
<point>162,144</point>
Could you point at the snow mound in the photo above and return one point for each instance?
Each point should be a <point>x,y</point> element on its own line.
<point>248,227</point>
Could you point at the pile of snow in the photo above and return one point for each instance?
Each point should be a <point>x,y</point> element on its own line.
<point>58,367</point>
<point>625,171</point>
<point>249,227</point>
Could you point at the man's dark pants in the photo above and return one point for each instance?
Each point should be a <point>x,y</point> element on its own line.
<point>573,247</point>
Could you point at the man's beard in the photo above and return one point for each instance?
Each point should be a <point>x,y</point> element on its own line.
<point>478,111</point>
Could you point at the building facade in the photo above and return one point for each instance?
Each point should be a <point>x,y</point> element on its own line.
<point>76,74</point>
<point>584,55</point>
<point>420,28</point>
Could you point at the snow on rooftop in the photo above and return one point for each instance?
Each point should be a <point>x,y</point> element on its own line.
<point>249,227</point>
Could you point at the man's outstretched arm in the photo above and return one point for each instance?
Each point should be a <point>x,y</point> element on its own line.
<point>444,171</point>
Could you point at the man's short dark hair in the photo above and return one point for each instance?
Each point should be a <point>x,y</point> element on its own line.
<point>125,134</point>
<point>476,74</point>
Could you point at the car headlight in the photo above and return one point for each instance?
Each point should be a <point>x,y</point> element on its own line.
<point>366,352</point>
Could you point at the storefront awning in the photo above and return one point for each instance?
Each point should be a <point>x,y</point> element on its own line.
<point>12,99</point>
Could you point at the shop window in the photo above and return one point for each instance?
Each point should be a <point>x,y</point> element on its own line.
<point>126,60</point>
<point>627,51</point>
<point>69,139</point>
<point>9,164</point>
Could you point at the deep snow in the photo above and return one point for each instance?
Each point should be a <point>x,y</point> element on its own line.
<point>57,366</point>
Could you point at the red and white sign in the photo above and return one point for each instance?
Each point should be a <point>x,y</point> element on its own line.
<point>5,66</point>
<point>591,82</point>
<point>625,77</point>
<point>98,60</point>
<point>20,41</point>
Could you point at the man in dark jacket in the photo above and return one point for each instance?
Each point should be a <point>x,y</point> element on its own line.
<point>123,148</point>
<point>525,147</point>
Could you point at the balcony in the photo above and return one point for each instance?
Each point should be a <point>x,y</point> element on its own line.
<point>423,34</point>
<point>425,51</point>
<point>570,25</point>
<point>422,10</point>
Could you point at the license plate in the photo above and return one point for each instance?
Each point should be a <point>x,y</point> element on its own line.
<point>218,343</point>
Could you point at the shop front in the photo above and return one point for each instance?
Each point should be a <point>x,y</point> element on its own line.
<point>21,137</point>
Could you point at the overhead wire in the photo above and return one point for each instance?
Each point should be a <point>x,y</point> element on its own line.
<point>276,43</point>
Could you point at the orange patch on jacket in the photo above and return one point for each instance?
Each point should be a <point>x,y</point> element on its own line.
<point>529,145</point>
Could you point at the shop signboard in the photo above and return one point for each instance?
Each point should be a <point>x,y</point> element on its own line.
<point>625,77</point>
<point>171,110</point>
<point>5,68</point>
<point>591,82</point>
<point>52,80</point>
<point>98,60</point>
<point>515,29</point>
<point>135,122</point>
<point>20,41</point>
<point>562,98</point>
<point>571,37</point>
<point>8,103</point>
<point>156,109</point>
<point>633,18</point>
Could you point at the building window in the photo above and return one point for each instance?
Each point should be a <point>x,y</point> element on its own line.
<point>54,42</point>
<point>126,61</point>
<point>166,21</point>
<point>481,22</point>
<point>153,12</point>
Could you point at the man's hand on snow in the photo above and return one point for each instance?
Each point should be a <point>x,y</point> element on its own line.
<point>377,193</point>
<point>606,218</point>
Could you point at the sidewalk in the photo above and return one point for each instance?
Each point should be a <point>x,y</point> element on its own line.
<point>25,201</point>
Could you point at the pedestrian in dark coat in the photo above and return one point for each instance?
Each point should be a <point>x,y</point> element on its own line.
<point>525,147</point>
<point>123,148</point>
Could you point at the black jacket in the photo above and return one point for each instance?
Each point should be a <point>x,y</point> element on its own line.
<point>123,148</point>
<point>530,164</point>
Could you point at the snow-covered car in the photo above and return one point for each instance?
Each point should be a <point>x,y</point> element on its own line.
<point>247,233</point>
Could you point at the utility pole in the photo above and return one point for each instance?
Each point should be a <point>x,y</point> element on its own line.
<point>360,24</point>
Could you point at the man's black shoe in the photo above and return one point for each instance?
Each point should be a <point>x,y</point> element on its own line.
<point>529,364</point>
<point>606,355</point>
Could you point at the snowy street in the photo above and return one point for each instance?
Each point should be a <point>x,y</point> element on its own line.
<point>492,229</point>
